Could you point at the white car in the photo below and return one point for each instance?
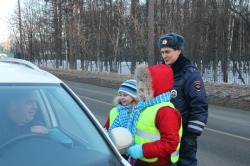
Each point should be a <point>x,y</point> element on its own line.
<point>74,137</point>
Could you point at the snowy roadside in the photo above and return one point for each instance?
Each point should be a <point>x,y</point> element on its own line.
<point>220,94</point>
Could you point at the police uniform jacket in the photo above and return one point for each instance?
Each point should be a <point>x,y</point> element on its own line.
<point>189,95</point>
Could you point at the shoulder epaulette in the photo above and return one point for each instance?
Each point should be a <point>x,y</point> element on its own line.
<point>191,69</point>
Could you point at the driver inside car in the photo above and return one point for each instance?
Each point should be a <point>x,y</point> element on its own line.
<point>18,118</point>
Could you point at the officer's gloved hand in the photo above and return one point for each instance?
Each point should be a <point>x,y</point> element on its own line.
<point>188,142</point>
<point>135,151</point>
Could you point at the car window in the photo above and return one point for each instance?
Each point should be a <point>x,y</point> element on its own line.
<point>72,137</point>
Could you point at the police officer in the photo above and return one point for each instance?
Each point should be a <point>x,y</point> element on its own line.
<point>188,95</point>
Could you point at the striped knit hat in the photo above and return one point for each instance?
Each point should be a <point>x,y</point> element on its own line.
<point>128,87</point>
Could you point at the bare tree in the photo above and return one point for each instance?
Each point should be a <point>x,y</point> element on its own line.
<point>70,36</point>
<point>113,31</point>
<point>56,33</point>
<point>151,59</point>
<point>20,29</point>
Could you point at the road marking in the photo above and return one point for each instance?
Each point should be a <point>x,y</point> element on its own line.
<point>89,90</point>
<point>247,139</point>
<point>95,100</point>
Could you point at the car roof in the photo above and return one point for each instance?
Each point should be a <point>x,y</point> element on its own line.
<point>13,70</point>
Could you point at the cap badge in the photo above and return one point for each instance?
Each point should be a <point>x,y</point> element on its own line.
<point>173,93</point>
<point>164,41</point>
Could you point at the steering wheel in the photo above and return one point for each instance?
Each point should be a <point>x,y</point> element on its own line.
<point>20,138</point>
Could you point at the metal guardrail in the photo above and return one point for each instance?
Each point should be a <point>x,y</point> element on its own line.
<point>22,62</point>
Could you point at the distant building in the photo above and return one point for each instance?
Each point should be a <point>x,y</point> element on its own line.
<point>6,54</point>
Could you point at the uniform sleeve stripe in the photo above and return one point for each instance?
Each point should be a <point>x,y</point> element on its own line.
<point>195,127</point>
<point>197,122</point>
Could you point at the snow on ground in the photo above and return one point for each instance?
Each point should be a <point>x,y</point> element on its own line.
<point>221,94</point>
<point>229,95</point>
<point>208,74</point>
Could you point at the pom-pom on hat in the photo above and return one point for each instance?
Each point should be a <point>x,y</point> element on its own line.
<point>172,40</point>
<point>128,87</point>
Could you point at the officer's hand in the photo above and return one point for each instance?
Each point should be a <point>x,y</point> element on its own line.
<point>39,129</point>
<point>188,142</point>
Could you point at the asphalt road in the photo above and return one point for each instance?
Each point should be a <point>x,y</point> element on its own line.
<point>224,142</point>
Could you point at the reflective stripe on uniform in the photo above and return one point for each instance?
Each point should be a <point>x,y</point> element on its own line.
<point>195,127</point>
<point>197,122</point>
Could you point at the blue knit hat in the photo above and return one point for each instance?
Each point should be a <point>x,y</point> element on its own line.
<point>128,87</point>
<point>172,40</point>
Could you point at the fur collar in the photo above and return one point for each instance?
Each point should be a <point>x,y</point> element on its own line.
<point>158,79</point>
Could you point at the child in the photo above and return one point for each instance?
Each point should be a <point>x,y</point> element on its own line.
<point>124,103</point>
<point>155,124</point>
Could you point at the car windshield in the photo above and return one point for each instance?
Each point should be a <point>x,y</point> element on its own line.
<point>43,124</point>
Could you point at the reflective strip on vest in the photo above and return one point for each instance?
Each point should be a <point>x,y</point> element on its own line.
<point>175,154</point>
<point>149,136</point>
<point>144,137</point>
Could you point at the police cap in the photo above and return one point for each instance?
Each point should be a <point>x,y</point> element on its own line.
<point>172,40</point>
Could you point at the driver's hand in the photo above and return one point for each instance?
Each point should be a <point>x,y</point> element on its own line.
<point>39,129</point>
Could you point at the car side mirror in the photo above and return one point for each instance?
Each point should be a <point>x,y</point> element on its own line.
<point>121,138</point>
